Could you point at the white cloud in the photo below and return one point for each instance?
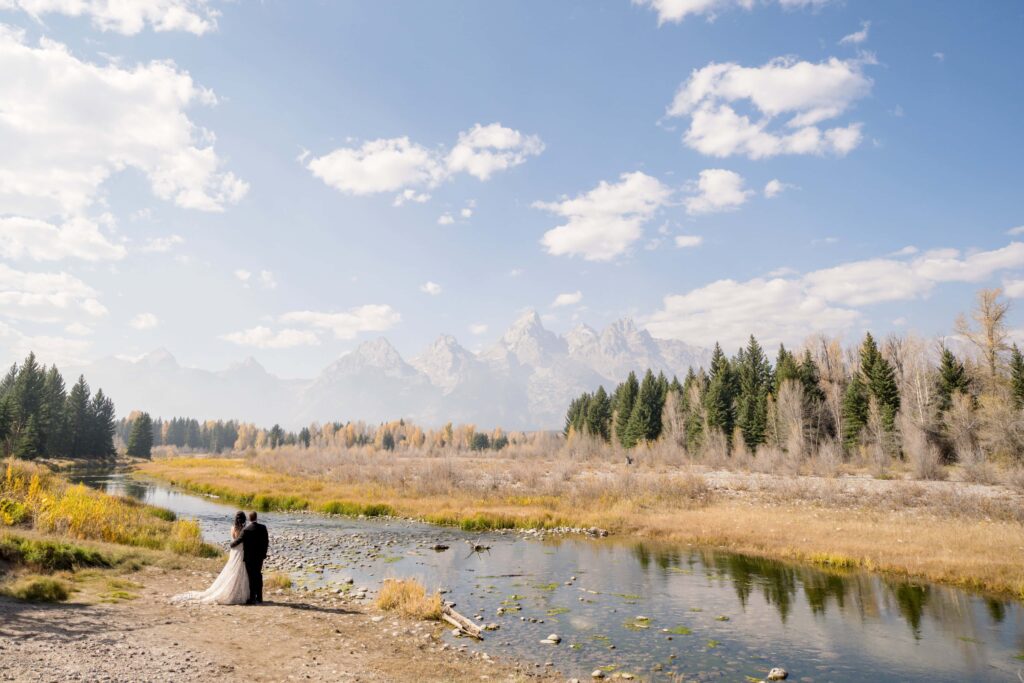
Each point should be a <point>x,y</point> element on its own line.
<point>69,125</point>
<point>264,338</point>
<point>15,346</point>
<point>400,165</point>
<point>39,240</point>
<point>243,275</point>
<point>159,245</point>
<point>45,297</point>
<point>1014,288</point>
<point>516,272</point>
<point>568,299</point>
<point>787,307</point>
<point>267,280</point>
<point>688,241</point>
<point>484,150</point>
<point>78,329</point>
<point>466,212</point>
<point>675,11</point>
<point>144,321</point>
<point>807,93</point>
<point>445,219</point>
<point>1019,230</point>
<point>717,190</point>
<point>939,56</point>
<point>605,221</point>
<point>431,288</point>
<point>775,187</point>
<point>131,17</point>
<point>478,328</point>
<point>347,324</point>
<point>857,37</point>
<point>411,196</point>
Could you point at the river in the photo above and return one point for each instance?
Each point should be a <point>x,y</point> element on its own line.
<point>656,611</point>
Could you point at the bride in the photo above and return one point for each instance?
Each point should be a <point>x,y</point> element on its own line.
<point>231,587</point>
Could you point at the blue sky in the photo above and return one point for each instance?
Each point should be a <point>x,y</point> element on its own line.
<point>221,178</point>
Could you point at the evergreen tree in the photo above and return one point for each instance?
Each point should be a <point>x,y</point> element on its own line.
<point>1017,377</point>
<point>140,441</point>
<point>101,431</point>
<point>811,379</point>
<point>29,440</point>
<point>599,414</point>
<point>951,379</point>
<point>880,380</point>
<point>785,368</point>
<point>720,393</point>
<point>625,397</point>
<point>53,419</point>
<point>6,423</point>
<point>855,410</point>
<point>305,437</point>
<point>645,421</point>
<point>755,381</point>
<point>77,418</point>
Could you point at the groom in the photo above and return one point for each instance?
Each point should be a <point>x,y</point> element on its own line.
<point>255,541</point>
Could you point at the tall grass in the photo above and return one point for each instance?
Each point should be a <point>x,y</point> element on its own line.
<point>34,496</point>
<point>48,556</point>
<point>409,597</point>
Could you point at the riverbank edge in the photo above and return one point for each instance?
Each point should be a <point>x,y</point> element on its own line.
<point>977,555</point>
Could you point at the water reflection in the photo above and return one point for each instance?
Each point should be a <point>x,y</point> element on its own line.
<point>724,616</point>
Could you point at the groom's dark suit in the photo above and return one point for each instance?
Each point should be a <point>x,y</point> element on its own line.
<point>255,543</point>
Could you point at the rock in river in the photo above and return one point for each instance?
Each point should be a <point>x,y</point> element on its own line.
<point>778,674</point>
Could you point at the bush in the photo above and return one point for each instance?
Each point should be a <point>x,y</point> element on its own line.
<point>409,597</point>
<point>12,512</point>
<point>187,539</point>
<point>278,580</point>
<point>49,555</point>
<point>39,589</point>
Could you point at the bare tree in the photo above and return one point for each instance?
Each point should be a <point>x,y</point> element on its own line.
<point>990,337</point>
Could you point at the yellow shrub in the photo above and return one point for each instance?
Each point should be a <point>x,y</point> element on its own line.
<point>409,597</point>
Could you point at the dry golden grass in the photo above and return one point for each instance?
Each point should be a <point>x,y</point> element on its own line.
<point>409,597</point>
<point>903,528</point>
<point>277,580</point>
<point>33,496</point>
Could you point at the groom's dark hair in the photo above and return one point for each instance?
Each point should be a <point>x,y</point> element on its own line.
<point>252,516</point>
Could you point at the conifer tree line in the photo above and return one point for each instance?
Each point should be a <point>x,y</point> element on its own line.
<point>898,398</point>
<point>41,417</point>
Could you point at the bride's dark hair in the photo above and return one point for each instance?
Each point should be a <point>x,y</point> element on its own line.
<point>239,521</point>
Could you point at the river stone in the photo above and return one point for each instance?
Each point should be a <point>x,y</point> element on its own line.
<point>597,674</point>
<point>778,674</point>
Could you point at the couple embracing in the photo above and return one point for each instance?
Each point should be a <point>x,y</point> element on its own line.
<point>241,580</point>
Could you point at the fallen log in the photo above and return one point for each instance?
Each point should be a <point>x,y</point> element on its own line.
<point>464,625</point>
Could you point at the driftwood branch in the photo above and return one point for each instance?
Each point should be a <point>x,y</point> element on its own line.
<point>464,625</point>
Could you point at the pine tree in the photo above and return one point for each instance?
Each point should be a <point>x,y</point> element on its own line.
<point>645,421</point>
<point>625,397</point>
<point>951,379</point>
<point>1017,377</point>
<point>855,410</point>
<point>811,379</point>
<point>29,440</point>
<point>140,441</point>
<point>880,379</point>
<point>6,424</point>
<point>755,380</point>
<point>102,426</point>
<point>599,415</point>
<point>785,368</point>
<point>53,419</point>
<point>77,418</point>
<point>719,396</point>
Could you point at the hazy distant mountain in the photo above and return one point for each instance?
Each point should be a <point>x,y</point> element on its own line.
<point>524,381</point>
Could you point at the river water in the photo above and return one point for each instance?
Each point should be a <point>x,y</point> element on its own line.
<point>703,615</point>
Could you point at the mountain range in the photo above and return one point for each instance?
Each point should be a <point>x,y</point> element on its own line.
<point>524,381</point>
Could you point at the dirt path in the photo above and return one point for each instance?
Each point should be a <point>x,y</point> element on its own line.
<point>291,637</point>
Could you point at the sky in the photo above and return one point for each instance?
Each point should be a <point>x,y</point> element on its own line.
<point>285,179</point>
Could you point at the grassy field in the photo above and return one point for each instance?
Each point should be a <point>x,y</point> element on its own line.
<point>56,537</point>
<point>953,534</point>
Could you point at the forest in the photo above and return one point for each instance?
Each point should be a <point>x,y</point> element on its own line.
<point>901,399</point>
<point>40,417</point>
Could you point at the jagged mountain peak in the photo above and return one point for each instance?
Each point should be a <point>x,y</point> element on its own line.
<point>158,357</point>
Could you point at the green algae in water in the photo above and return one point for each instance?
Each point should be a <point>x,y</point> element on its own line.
<point>393,559</point>
<point>721,617</point>
<point>555,611</point>
<point>712,644</point>
<point>680,631</point>
<point>547,586</point>
<point>637,624</point>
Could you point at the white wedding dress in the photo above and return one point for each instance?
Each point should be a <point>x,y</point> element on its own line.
<point>231,587</point>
